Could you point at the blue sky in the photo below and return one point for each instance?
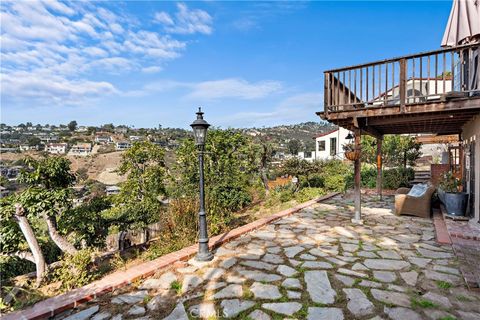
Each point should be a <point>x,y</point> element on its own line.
<point>144,63</point>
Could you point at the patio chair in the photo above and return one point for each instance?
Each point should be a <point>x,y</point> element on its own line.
<point>415,201</point>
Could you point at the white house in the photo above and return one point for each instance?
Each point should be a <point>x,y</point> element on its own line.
<point>81,149</point>
<point>111,190</point>
<point>103,138</point>
<point>122,145</point>
<point>328,145</point>
<point>57,148</point>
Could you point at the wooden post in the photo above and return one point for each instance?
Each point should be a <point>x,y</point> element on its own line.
<point>403,84</point>
<point>358,201</point>
<point>379,167</point>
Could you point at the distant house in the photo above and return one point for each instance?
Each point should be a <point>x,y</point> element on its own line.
<point>26,147</point>
<point>328,145</point>
<point>121,130</point>
<point>81,149</point>
<point>111,190</point>
<point>103,138</point>
<point>45,138</point>
<point>122,145</point>
<point>57,148</point>
<point>135,138</point>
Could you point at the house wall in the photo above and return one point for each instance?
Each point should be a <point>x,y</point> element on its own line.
<point>471,134</point>
<point>325,154</point>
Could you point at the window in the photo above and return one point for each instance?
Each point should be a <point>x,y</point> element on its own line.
<point>321,145</point>
<point>333,146</point>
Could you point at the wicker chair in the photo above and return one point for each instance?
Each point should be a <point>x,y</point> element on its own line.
<point>419,206</point>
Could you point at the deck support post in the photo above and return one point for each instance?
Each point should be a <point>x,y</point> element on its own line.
<point>357,166</point>
<point>379,167</point>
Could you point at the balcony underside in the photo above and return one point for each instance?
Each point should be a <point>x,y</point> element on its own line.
<point>441,117</point>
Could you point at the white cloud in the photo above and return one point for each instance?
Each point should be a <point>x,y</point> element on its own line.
<point>152,69</point>
<point>233,88</point>
<point>230,88</point>
<point>66,42</point>
<point>187,21</point>
<point>163,18</point>
<point>296,108</point>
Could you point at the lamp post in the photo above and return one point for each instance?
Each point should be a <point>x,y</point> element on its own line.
<point>200,127</point>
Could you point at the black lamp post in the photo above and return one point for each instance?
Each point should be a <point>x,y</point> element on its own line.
<point>200,128</point>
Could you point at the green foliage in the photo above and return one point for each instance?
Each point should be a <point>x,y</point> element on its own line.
<point>294,146</point>
<point>392,178</point>
<point>230,170</point>
<point>443,284</point>
<point>86,223</point>
<point>422,303</point>
<point>176,286</point>
<point>397,150</point>
<point>334,174</point>
<point>307,194</point>
<point>450,183</point>
<point>138,203</point>
<point>76,270</point>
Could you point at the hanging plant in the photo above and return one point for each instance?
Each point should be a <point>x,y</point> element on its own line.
<point>352,152</point>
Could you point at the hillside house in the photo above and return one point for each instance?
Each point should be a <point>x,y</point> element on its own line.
<point>103,138</point>
<point>122,145</point>
<point>111,190</point>
<point>57,148</point>
<point>81,149</point>
<point>328,145</point>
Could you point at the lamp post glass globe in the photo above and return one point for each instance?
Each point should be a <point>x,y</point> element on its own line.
<point>200,127</point>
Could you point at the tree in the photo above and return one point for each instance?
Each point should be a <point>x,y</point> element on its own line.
<point>397,150</point>
<point>14,224</point>
<point>33,141</point>
<point>138,202</point>
<point>47,194</point>
<point>72,125</point>
<point>294,146</point>
<point>231,168</point>
<point>29,124</point>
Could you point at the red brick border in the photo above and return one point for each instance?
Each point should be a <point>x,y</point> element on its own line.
<point>55,305</point>
<point>441,228</point>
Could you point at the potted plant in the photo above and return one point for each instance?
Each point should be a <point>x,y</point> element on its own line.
<point>352,153</point>
<point>450,194</point>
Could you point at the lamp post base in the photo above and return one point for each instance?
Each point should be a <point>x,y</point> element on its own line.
<point>204,256</point>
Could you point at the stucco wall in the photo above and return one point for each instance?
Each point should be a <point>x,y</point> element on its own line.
<point>471,134</point>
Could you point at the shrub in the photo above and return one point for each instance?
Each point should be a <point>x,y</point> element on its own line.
<point>306,194</point>
<point>397,177</point>
<point>76,270</point>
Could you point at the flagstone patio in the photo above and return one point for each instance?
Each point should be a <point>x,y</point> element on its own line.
<point>314,264</point>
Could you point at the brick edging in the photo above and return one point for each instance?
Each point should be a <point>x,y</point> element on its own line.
<point>55,305</point>
<point>441,228</point>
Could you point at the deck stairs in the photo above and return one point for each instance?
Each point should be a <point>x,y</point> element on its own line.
<point>421,176</point>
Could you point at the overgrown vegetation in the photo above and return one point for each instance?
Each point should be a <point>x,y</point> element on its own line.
<point>41,224</point>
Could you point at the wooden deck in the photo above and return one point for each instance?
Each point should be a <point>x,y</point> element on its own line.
<point>433,92</point>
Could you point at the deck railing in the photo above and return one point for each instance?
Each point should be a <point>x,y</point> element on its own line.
<point>412,79</point>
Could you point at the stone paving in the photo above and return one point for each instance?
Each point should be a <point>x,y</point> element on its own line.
<point>312,265</point>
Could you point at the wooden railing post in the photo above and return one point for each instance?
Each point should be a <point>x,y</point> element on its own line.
<point>403,84</point>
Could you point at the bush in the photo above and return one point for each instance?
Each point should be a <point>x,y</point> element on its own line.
<point>306,194</point>
<point>397,177</point>
<point>76,270</point>
<point>392,178</point>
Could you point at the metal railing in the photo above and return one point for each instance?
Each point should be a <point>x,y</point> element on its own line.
<point>412,79</point>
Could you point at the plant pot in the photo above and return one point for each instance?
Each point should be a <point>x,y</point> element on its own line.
<point>456,203</point>
<point>352,155</point>
<point>441,195</point>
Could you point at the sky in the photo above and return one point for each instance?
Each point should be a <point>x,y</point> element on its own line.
<point>150,63</point>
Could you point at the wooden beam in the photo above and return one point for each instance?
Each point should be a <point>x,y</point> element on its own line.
<point>470,104</point>
<point>357,167</point>
<point>379,167</point>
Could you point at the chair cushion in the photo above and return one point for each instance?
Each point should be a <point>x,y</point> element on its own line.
<point>418,190</point>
